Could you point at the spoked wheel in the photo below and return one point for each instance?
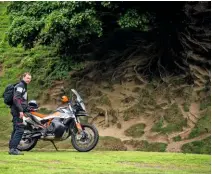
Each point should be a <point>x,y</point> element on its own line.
<point>86,140</point>
<point>27,144</point>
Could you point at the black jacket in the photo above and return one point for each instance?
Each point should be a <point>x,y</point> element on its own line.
<point>20,97</point>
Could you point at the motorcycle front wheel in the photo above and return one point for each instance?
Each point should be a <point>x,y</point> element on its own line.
<point>87,139</point>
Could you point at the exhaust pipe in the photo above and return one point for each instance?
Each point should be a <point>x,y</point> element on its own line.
<point>32,135</point>
<point>36,135</point>
<point>48,137</point>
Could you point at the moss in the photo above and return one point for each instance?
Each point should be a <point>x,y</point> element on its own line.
<point>146,98</point>
<point>177,138</point>
<point>110,143</point>
<point>172,127</point>
<point>173,114</point>
<point>169,128</point>
<point>135,131</point>
<point>132,112</point>
<point>126,117</point>
<point>104,100</point>
<point>186,107</point>
<point>158,125</point>
<point>199,147</point>
<point>146,146</point>
<point>203,125</point>
<point>205,103</point>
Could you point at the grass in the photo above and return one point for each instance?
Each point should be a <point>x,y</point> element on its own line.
<point>104,162</point>
<point>43,63</point>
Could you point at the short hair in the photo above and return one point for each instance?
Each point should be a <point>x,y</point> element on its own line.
<point>24,74</point>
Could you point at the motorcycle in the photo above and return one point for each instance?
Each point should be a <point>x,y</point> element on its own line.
<point>59,126</point>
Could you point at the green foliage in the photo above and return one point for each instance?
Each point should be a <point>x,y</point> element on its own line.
<point>145,146</point>
<point>104,100</point>
<point>174,119</point>
<point>173,114</point>
<point>132,112</point>
<point>171,127</point>
<point>52,23</point>
<point>24,30</point>
<point>135,131</point>
<point>157,127</point>
<point>110,143</point>
<point>205,102</point>
<point>203,125</point>
<point>186,107</point>
<point>78,27</point>
<point>199,147</point>
<point>68,25</point>
<point>132,19</point>
<point>177,138</point>
<point>146,96</point>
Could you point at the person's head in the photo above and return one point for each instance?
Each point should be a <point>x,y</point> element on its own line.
<point>27,77</point>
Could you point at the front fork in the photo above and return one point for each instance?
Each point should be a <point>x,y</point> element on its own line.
<point>78,125</point>
<point>76,120</point>
<point>80,131</point>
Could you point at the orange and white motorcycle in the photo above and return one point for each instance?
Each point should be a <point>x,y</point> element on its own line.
<point>59,126</point>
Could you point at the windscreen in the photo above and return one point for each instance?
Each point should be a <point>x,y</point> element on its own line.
<point>79,99</point>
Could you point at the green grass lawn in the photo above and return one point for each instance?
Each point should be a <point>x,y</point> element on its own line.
<point>65,162</point>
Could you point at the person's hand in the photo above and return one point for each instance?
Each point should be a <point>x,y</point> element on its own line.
<point>21,114</point>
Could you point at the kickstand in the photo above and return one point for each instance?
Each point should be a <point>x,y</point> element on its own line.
<point>54,145</point>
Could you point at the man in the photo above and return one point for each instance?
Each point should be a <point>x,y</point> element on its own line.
<point>18,108</point>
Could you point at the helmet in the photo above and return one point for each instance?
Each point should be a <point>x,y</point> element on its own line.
<point>64,99</point>
<point>33,104</point>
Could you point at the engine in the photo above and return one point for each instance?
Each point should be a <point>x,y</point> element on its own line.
<point>57,128</point>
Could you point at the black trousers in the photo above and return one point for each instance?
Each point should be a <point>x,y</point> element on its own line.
<point>18,130</point>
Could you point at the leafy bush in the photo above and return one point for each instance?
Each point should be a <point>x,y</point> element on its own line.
<point>110,143</point>
<point>135,131</point>
<point>203,125</point>
<point>146,146</point>
<point>199,147</point>
<point>177,138</point>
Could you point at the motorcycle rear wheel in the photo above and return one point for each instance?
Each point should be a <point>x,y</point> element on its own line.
<point>27,144</point>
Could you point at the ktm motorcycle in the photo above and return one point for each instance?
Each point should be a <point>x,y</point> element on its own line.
<point>62,124</point>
